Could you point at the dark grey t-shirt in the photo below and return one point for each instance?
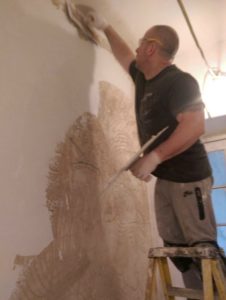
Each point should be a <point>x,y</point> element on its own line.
<point>158,101</point>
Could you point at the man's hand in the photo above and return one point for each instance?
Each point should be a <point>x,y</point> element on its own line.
<point>96,21</point>
<point>145,165</point>
<point>85,13</point>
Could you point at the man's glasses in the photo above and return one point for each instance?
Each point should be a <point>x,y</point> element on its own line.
<point>150,40</point>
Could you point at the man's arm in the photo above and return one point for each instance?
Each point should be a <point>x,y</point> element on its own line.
<point>120,49</point>
<point>191,126</point>
<point>188,131</point>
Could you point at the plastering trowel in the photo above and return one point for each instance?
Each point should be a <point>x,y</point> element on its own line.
<point>77,15</point>
<point>132,160</point>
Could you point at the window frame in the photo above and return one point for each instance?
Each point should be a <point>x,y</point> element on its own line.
<point>216,143</point>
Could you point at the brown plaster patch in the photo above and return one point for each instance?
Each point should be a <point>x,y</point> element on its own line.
<point>100,244</point>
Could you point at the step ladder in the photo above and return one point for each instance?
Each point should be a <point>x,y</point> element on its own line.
<point>212,273</point>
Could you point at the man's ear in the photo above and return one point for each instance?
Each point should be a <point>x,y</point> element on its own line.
<point>151,48</point>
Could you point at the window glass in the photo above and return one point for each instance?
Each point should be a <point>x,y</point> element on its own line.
<point>219,205</point>
<point>221,237</point>
<point>218,164</point>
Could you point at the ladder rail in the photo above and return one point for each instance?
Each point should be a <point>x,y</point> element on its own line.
<point>219,279</point>
<point>165,276</point>
<point>150,291</point>
<point>207,279</point>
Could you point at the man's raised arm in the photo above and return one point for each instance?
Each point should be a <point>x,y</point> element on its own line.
<point>120,49</point>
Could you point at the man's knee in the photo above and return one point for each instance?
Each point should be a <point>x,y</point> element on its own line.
<point>221,254</point>
<point>212,244</point>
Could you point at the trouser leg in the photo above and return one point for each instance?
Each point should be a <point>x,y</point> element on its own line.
<point>192,278</point>
<point>189,269</point>
<point>184,212</point>
<point>185,216</point>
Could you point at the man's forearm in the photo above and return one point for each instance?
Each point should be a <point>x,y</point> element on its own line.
<point>185,135</point>
<point>119,47</point>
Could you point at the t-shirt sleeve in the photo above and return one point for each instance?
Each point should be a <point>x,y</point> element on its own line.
<point>185,95</point>
<point>133,70</point>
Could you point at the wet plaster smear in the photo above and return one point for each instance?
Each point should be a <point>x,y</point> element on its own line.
<point>100,244</point>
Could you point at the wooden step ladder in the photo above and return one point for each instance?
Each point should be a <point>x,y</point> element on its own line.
<point>211,273</point>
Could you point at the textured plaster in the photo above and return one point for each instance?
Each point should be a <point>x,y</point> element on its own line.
<point>100,244</point>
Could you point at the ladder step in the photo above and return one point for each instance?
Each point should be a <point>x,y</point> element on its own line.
<point>184,292</point>
<point>200,252</point>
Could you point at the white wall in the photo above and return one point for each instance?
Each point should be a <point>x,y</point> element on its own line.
<point>48,77</point>
<point>38,65</point>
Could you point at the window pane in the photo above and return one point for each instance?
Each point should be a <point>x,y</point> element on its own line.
<point>221,237</point>
<point>219,205</point>
<point>218,164</point>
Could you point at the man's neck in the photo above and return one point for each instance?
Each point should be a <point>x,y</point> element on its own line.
<point>153,71</point>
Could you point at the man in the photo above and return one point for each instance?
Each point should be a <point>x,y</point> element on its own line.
<point>167,96</point>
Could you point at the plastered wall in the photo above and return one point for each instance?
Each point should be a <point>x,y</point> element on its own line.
<point>67,125</point>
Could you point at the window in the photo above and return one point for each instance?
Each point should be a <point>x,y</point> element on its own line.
<point>214,93</point>
<point>218,163</point>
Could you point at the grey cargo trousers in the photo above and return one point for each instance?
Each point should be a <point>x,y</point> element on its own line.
<point>184,212</point>
<point>185,217</point>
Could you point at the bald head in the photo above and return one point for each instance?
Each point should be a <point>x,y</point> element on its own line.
<point>168,38</point>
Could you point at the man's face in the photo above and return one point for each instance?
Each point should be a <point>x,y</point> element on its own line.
<point>141,56</point>
<point>143,50</point>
